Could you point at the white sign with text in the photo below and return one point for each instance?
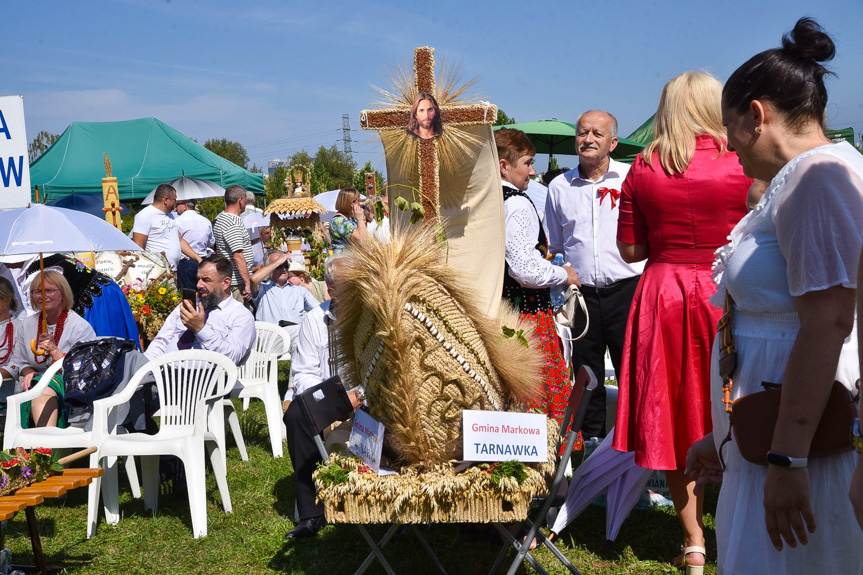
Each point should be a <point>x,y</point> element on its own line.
<point>14,159</point>
<point>367,439</point>
<point>500,436</point>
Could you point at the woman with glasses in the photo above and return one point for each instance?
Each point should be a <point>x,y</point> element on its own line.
<point>35,350</point>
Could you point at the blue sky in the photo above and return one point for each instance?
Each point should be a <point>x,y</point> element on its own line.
<point>277,76</point>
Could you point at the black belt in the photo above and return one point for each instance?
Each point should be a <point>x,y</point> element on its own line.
<point>610,288</point>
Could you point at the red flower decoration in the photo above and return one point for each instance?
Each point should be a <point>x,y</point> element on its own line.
<point>9,464</point>
<point>44,450</point>
<point>146,309</point>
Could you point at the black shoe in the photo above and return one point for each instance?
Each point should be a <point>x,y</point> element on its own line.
<point>307,527</point>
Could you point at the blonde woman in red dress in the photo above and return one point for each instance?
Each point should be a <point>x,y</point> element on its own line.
<point>679,202</point>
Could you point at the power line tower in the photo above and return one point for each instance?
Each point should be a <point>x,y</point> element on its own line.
<point>346,133</point>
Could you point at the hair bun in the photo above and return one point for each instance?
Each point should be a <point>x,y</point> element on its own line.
<point>809,41</point>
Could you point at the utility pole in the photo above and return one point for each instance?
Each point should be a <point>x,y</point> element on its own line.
<point>346,133</point>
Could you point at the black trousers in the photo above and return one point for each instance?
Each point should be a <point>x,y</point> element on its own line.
<point>609,310</point>
<point>304,457</point>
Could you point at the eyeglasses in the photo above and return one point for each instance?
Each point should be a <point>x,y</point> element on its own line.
<point>49,293</point>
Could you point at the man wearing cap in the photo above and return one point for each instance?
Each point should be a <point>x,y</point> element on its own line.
<point>198,233</point>
<point>277,300</point>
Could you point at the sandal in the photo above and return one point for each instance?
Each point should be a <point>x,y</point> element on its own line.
<point>691,569</point>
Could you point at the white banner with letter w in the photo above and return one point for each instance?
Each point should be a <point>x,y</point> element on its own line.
<point>14,159</point>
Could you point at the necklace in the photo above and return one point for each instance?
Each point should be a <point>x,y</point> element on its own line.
<point>8,338</point>
<point>58,333</point>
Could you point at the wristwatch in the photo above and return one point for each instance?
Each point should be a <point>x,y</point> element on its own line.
<point>782,460</point>
<point>856,438</point>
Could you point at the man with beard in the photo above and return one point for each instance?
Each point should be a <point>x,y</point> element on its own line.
<point>217,322</point>
<point>425,122</point>
<point>581,212</point>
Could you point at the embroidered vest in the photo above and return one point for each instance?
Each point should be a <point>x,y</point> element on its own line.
<point>525,299</point>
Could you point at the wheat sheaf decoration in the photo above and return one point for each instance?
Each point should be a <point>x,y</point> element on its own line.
<point>409,332</point>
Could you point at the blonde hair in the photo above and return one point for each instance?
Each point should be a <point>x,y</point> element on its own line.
<point>345,199</point>
<point>56,278</point>
<point>691,104</point>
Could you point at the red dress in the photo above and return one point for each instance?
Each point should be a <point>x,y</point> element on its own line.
<point>664,395</point>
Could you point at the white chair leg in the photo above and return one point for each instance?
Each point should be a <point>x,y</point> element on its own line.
<point>150,475</point>
<point>221,474</point>
<point>246,402</point>
<point>234,422</point>
<point>110,491</point>
<point>93,498</point>
<point>132,474</point>
<point>273,407</point>
<point>193,461</point>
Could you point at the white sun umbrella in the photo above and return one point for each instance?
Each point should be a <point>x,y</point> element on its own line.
<point>190,189</point>
<point>256,221</point>
<point>45,229</point>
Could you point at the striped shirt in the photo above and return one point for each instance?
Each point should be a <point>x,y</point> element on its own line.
<point>231,236</point>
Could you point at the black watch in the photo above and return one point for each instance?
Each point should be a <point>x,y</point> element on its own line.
<point>782,460</point>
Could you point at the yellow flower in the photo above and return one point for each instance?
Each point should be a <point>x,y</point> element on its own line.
<point>140,297</point>
<point>162,291</point>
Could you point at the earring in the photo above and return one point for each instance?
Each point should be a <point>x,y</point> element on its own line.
<point>757,129</point>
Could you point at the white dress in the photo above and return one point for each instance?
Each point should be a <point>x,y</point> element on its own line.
<point>804,235</point>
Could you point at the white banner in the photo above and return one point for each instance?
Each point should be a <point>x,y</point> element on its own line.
<point>501,436</point>
<point>14,160</point>
<point>367,439</point>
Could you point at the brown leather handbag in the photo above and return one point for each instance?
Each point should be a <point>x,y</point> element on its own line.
<point>753,417</point>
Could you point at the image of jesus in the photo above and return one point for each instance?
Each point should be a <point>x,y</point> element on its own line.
<point>425,122</point>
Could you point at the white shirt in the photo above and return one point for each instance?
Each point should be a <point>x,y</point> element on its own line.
<point>286,302</point>
<point>196,230</point>
<point>310,363</point>
<point>161,231</point>
<point>229,330</point>
<point>526,264</point>
<point>380,232</point>
<point>585,230</point>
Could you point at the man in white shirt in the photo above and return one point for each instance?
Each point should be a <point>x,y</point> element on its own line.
<point>277,300</point>
<point>155,231</point>
<point>198,233</point>
<point>581,213</point>
<point>314,361</point>
<point>216,323</point>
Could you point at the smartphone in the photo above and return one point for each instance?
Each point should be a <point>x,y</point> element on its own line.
<point>192,296</point>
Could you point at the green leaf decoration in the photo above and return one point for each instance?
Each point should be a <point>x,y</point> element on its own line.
<point>401,203</point>
<point>514,469</point>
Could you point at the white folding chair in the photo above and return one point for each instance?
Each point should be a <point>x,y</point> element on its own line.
<point>191,387</point>
<point>259,378</point>
<point>15,435</point>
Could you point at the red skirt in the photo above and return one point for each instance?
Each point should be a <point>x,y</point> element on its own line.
<point>663,403</point>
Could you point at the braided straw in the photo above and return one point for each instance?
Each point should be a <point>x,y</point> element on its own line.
<point>409,332</point>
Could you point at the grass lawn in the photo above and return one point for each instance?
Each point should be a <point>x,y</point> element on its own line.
<point>251,539</point>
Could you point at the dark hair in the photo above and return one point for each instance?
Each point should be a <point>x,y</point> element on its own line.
<point>223,265</point>
<point>7,291</point>
<point>233,194</point>
<point>162,192</point>
<point>552,174</point>
<point>790,77</point>
<point>513,144</point>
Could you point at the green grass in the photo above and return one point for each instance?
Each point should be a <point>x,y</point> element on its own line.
<point>251,539</point>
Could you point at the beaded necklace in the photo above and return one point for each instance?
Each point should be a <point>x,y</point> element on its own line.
<point>8,338</point>
<point>58,332</point>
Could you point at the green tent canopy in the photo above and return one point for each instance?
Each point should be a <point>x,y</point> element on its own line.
<point>143,153</point>
<point>558,137</point>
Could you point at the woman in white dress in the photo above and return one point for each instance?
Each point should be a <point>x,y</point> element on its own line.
<point>65,328</point>
<point>791,268</point>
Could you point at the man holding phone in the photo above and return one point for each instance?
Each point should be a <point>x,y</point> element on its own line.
<point>217,322</point>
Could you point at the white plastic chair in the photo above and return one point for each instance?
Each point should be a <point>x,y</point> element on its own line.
<point>191,386</point>
<point>15,435</point>
<point>259,378</point>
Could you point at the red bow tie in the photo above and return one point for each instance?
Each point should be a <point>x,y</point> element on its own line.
<point>615,195</point>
